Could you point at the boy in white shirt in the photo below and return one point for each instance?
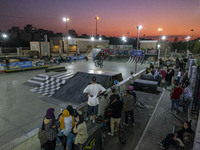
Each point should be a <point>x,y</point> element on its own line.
<point>179,76</point>
<point>92,91</point>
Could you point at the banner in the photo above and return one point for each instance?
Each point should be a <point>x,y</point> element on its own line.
<point>19,65</point>
<point>152,51</point>
<point>136,52</point>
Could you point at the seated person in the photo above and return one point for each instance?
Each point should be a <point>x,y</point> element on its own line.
<point>66,124</point>
<point>79,135</point>
<point>177,137</point>
<point>73,112</point>
<point>147,70</point>
<point>151,66</point>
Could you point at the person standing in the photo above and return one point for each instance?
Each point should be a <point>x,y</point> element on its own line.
<point>131,78</point>
<point>187,91</point>
<point>167,78</point>
<point>157,74</point>
<point>175,98</point>
<point>92,91</point>
<point>179,76</point>
<point>173,86</point>
<point>50,126</point>
<point>185,79</point>
<point>129,105</point>
<point>7,63</point>
<point>116,109</point>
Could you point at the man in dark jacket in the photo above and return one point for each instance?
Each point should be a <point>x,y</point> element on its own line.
<point>116,109</point>
<point>129,105</point>
<point>167,78</point>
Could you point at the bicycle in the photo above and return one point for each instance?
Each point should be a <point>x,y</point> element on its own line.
<point>118,130</point>
<point>99,63</point>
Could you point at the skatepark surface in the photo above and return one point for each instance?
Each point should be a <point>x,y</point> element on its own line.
<point>22,110</point>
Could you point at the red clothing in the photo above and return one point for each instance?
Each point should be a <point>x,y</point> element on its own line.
<point>176,93</point>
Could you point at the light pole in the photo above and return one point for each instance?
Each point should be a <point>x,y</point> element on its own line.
<point>159,39</point>
<point>138,29</point>
<point>163,41</point>
<point>96,18</point>
<point>66,20</point>
<point>192,30</point>
<point>5,36</point>
<point>187,39</point>
<point>160,30</point>
<point>92,39</point>
<point>124,40</point>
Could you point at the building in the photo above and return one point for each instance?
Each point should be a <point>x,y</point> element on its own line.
<point>162,46</point>
<point>76,45</point>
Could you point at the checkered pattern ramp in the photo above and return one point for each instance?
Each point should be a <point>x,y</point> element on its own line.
<point>52,84</point>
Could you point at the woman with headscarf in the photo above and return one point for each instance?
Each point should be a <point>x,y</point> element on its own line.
<point>177,137</point>
<point>80,129</point>
<point>50,127</point>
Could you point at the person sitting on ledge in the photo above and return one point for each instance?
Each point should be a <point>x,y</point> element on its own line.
<point>178,139</point>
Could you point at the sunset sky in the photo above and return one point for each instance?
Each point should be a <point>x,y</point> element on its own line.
<point>117,17</point>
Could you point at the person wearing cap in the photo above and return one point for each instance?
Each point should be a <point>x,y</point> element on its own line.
<point>92,91</point>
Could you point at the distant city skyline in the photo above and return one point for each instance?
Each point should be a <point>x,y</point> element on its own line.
<point>117,17</point>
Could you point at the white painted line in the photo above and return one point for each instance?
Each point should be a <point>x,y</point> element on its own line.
<point>58,75</point>
<point>35,82</point>
<point>37,78</point>
<point>68,77</point>
<point>149,121</point>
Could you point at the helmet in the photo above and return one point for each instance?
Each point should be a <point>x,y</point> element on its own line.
<point>115,82</point>
<point>131,88</point>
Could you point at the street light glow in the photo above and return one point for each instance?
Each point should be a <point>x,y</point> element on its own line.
<point>140,27</point>
<point>123,38</point>
<point>160,29</point>
<point>92,38</point>
<point>65,19</point>
<point>4,36</point>
<point>187,38</point>
<point>158,46</point>
<point>163,37</point>
<point>68,37</point>
<point>97,18</point>
<point>100,39</point>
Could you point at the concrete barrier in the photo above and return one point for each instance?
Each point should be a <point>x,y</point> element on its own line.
<point>197,136</point>
<point>34,139</point>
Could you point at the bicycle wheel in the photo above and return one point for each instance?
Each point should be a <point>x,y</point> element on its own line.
<point>122,136</point>
<point>97,63</point>
<point>101,65</point>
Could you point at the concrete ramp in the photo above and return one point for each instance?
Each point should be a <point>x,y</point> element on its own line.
<point>72,90</point>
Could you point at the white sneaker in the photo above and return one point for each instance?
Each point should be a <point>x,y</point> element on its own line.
<point>125,124</point>
<point>86,119</point>
<point>110,133</point>
<point>93,121</point>
<point>170,111</point>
